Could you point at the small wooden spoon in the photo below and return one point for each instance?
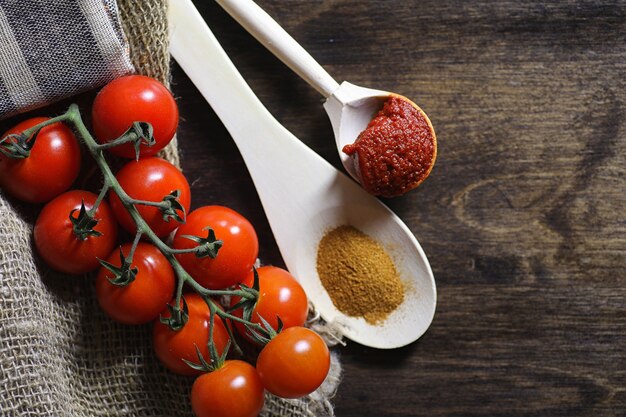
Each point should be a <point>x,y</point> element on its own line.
<point>349,107</point>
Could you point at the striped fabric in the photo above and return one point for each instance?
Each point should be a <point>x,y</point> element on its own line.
<point>52,49</point>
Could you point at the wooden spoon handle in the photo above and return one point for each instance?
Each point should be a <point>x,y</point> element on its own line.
<point>267,31</point>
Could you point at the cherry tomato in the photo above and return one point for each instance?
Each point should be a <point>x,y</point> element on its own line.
<point>134,98</point>
<point>233,390</point>
<point>57,243</point>
<point>279,295</point>
<point>147,295</point>
<point>171,346</point>
<point>150,179</point>
<point>51,168</point>
<point>235,258</point>
<point>294,363</point>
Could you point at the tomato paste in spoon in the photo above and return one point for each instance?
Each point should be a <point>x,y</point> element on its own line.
<point>397,150</point>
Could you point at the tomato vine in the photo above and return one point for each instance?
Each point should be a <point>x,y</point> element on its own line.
<point>84,223</point>
<point>212,252</point>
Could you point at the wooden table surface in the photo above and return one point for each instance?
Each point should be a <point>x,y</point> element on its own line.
<point>523,218</point>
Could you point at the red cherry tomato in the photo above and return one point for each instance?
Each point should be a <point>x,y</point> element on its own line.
<point>134,98</point>
<point>57,243</point>
<point>233,390</point>
<point>51,168</point>
<point>279,295</point>
<point>150,179</point>
<point>142,300</point>
<point>234,259</point>
<point>294,363</point>
<point>171,347</point>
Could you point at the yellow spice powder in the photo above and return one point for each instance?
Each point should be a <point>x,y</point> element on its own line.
<point>358,274</point>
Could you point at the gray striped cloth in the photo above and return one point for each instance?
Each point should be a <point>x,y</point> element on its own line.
<point>52,49</point>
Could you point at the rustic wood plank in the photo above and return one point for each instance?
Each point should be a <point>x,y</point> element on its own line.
<point>523,218</point>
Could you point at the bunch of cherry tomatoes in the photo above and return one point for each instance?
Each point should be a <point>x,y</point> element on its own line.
<point>207,253</point>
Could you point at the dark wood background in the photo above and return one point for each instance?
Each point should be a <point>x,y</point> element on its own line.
<point>523,218</point>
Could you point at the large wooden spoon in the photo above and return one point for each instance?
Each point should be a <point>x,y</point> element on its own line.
<point>302,194</point>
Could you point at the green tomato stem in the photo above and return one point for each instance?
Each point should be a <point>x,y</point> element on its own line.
<point>126,138</point>
<point>158,204</point>
<point>110,182</point>
<point>27,139</point>
<point>131,254</point>
<point>103,192</point>
<point>181,251</point>
<point>34,129</point>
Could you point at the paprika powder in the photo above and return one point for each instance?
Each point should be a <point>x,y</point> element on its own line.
<point>358,274</point>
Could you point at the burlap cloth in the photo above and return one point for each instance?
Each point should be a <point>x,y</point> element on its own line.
<point>59,354</point>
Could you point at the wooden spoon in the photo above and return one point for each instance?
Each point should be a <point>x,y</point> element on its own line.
<point>349,107</point>
<point>302,194</point>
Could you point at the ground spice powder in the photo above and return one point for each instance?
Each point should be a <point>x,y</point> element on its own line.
<point>358,274</point>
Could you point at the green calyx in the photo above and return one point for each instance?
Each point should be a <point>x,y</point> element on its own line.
<point>139,133</point>
<point>144,135</point>
<point>83,224</point>
<point>249,297</point>
<point>207,246</point>
<point>178,317</point>
<point>215,362</point>
<point>266,333</point>
<point>17,146</point>
<point>170,206</point>
<point>123,274</point>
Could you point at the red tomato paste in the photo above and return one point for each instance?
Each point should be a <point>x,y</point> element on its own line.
<point>396,151</point>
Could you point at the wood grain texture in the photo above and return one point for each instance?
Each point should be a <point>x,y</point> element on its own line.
<point>523,217</point>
